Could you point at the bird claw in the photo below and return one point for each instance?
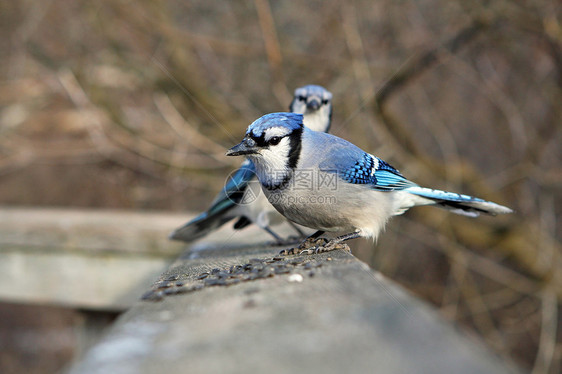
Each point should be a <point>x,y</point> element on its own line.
<point>309,251</point>
<point>287,252</point>
<point>332,246</point>
<point>311,246</point>
<point>310,242</point>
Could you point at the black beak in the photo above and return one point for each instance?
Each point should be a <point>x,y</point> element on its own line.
<point>246,147</point>
<point>313,104</point>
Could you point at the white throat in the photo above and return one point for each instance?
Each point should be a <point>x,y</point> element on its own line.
<point>317,120</point>
<point>272,166</point>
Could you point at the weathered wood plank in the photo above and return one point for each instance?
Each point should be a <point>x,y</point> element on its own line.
<point>103,282</point>
<point>90,230</point>
<point>336,316</point>
<point>94,259</point>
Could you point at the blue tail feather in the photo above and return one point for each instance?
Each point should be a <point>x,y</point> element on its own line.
<point>199,226</point>
<point>459,203</point>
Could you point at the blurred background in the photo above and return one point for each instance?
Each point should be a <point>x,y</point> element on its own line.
<point>131,105</point>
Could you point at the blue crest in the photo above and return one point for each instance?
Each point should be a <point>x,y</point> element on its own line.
<point>290,121</point>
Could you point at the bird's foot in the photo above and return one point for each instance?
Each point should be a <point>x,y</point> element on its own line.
<point>334,245</point>
<point>313,242</point>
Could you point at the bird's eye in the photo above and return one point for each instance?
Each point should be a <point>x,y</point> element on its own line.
<point>324,102</point>
<point>275,140</point>
<point>302,98</point>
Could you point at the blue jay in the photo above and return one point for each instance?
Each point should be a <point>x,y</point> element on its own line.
<point>241,197</point>
<point>321,181</point>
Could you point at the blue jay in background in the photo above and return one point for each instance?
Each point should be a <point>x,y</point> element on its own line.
<point>241,197</point>
<point>326,183</point>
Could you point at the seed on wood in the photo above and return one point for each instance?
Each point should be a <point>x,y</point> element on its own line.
<point>192,288</point>
<point>164,284</point>
<point>249,277</point>
<point>153,295</point>
<point>280,265</point>
<point>179,284</point>
<point>211,282</point>
<point>215,271</point>
<point>183,290</point>
<point>265,273</point>
<point>281,270</point>
<point>147,295</point>
<point>203,276</point>
<point>230,282</point>
<point>172,277</point>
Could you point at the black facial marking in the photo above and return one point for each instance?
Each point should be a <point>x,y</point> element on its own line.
<point>260,140</point>
<point>274,140</point>
<point>295,147</point>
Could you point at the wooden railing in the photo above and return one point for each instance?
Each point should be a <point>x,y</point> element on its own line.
<point>224,306</point>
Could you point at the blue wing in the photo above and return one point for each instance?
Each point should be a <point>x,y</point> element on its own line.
<point>355,166</point>
<point>215,216</point>
<point>376,173</point>
<point>234,189</point>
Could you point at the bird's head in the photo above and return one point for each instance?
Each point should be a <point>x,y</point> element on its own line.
<point>315,103</point>
<point>273,143</point>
